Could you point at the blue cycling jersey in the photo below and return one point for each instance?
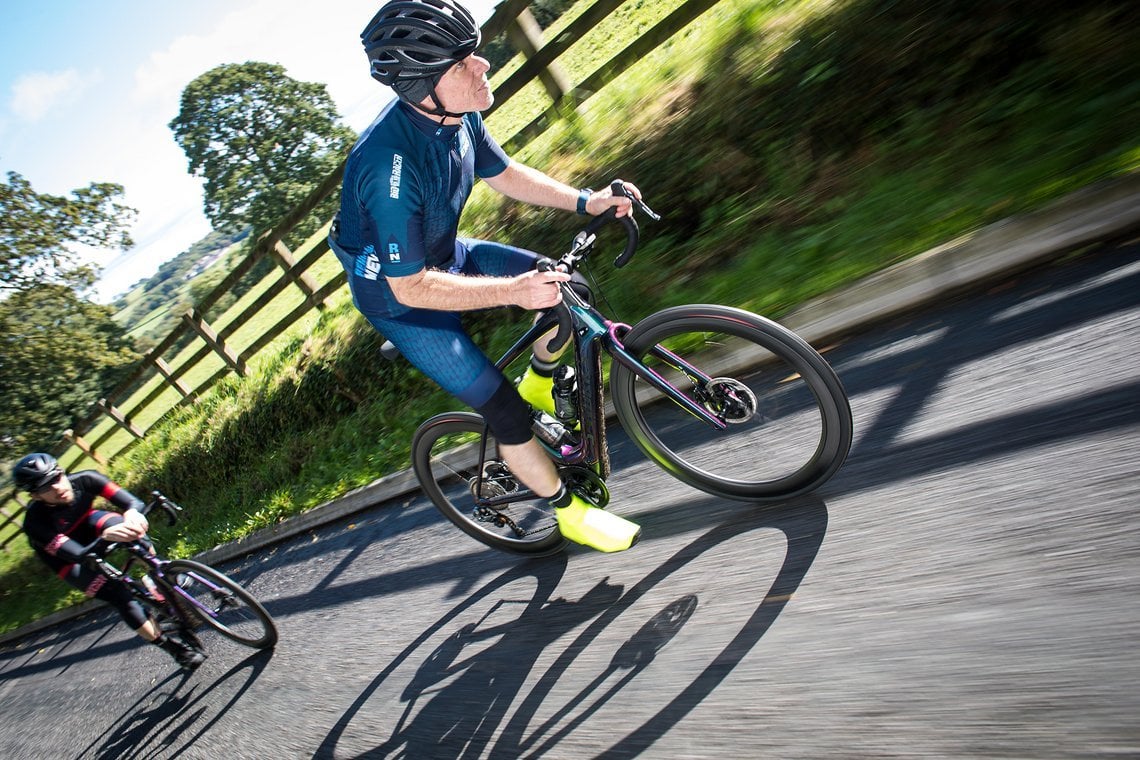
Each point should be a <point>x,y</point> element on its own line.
<point>405,183</point>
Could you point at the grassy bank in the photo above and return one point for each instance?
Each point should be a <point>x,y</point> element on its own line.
<point>798,145</point>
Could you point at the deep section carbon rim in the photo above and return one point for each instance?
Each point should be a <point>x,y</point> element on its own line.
<point>786,419</point>
<point>228,608</point>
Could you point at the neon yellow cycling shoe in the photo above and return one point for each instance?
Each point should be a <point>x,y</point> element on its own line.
<point>583,523</point>
<point>537,390</point>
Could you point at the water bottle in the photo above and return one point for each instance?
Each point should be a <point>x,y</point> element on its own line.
<point>565,394</point>
<point>549,430</point>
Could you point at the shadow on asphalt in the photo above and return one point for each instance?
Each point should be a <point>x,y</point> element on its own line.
<point>938,342</point>
<point>175,713</point>
<point>460,698</point>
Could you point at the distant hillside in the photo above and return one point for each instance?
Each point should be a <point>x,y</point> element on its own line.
<point>150,308</point>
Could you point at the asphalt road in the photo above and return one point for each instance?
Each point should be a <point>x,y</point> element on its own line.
<point>965,587</point>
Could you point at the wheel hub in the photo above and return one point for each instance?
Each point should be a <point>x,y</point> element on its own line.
<point>731,400</point>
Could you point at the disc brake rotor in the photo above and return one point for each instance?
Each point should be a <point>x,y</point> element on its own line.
<point>497,480</point>
<point>730,399</point>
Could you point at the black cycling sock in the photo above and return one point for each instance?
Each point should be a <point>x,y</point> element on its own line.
<point>562,498</point>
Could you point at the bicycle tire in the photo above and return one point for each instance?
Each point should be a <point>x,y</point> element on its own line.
<point>445,458</point>
<point>797,434</point>
<point>219,602</point>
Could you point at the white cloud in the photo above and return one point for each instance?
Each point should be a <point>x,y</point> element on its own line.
<point>36,93</point>
<point>324,48</point>
<point>152,248</point>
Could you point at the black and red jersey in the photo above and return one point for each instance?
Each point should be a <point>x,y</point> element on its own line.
<point>57,532</point>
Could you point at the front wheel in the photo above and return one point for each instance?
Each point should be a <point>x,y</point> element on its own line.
<point>463,474</point>
<point>205,595</point>
<point>783,419</point>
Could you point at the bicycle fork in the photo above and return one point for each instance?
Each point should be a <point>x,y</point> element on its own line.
<point>700,381</point>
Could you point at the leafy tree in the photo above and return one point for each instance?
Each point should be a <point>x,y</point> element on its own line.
<point>58,354</point>
<point>261,140</point>
<point>37,231</point>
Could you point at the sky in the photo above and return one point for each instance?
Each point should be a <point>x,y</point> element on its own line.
<point>87,91</point>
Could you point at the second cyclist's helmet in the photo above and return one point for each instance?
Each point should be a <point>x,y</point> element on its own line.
<point>35,471</point>
<point>418,39</point>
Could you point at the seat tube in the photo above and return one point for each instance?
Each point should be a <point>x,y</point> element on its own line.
<point>588,335</point>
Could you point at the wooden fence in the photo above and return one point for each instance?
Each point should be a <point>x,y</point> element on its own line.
<point>512,18</point>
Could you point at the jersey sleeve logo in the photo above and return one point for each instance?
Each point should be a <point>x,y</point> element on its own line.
<point>394,179</point>
<point>368,263</point>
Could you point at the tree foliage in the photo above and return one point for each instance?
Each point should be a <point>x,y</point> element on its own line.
<point>58,354</point>
<point>37,231</point>
<point>261,140</point>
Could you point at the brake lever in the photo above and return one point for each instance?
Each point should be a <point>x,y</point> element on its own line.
<point>640,204</point>
<point>617,187</point>
<point>169,507</point>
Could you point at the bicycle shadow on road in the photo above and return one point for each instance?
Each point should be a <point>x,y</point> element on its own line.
<point>58,648</point>
<point>168,719</point>
<point>915,355</point>
<point>476,692</point>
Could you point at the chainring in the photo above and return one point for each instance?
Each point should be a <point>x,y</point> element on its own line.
<point>586,483</point>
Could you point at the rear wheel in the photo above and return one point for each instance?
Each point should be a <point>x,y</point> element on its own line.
<point>784,421</point>
<point>204,594</point>
<point>446,458</point>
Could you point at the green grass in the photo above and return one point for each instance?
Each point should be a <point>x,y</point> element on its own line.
<point>779,180</point>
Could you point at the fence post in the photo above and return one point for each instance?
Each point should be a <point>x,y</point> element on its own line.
<point>526,35</point>
<point>85,447</point>
<point>168,374</point>
<point>200,326</point>
<point>677,20</point>
<point>8,519</point>
<point>284,258</point>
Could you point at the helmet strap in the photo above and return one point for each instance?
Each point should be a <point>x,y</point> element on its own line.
<point>439,110</point>
<point>414,91</point>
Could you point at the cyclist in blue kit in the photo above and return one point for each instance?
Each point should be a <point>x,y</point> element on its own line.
<point>405,184</point>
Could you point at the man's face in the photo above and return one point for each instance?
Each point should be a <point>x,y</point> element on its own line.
<point>58,491</point>
<point>464,87</point>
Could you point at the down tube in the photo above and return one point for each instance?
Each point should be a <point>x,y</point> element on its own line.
<point>535,332</point>
<point>630,362</point>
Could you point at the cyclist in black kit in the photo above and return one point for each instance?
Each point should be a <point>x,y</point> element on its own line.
<point>405,185</point>
<point>61,520</point>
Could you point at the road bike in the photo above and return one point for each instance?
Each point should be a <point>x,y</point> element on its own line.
<point>182,595</point>
<point>724,400</point>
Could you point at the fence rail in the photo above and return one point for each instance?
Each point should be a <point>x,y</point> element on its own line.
<point>511,18</point>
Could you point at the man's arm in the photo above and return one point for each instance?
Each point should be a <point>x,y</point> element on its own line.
<point>443,291</point>
<point>135,524</point>
<point>531,186</point>
<point>42,534</point>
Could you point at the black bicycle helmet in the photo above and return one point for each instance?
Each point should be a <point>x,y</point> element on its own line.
<point>411,43</point>
<point>35,471</point>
